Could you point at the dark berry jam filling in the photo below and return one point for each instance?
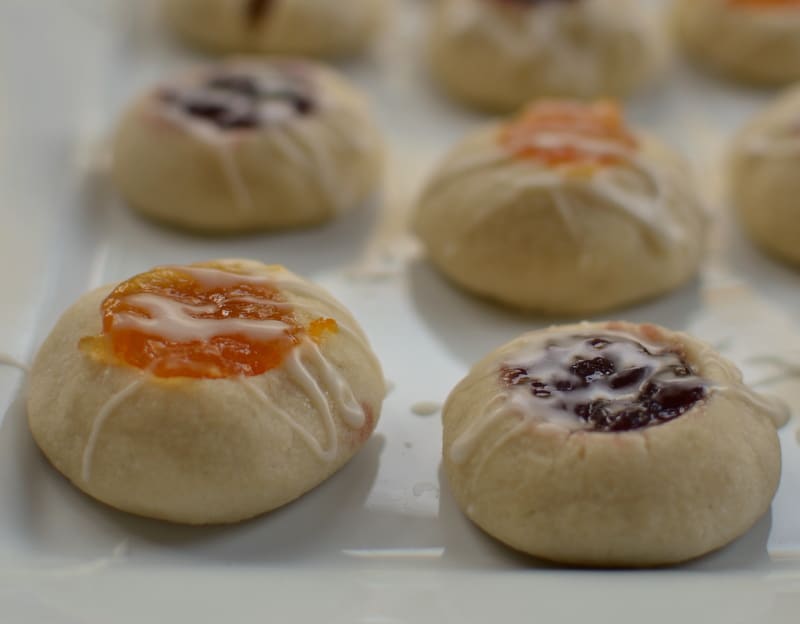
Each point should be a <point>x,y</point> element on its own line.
<point>610,383</point>
<point>240,100</point>
<point>256,11</point>
<point>534,3</point>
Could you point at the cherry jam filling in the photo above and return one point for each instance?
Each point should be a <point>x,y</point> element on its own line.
<point>610,383</point>
<point>238,101</point>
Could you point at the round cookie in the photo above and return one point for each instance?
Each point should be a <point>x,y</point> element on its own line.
<point>563,210</point>
<point>207,393</point>
<point>610,444</point>
<point>248,145</point>
<point>298,27</point>
<point>499,54</point>
<point>754,41</point>
<point>765,177</point>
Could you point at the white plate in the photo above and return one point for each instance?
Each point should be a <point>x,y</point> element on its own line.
<point>382,541</point>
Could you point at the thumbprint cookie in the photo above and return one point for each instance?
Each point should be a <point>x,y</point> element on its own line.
<point>754,41</point>
<point>206,393</point>
<point>322,28</point>
<point>765,177</point>
<point>611,444</point>
<point>247,145</point>
<point>498,54</point>
<point>563,210</point>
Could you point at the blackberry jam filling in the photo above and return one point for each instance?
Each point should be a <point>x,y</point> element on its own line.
<point>234,100</point>
<point>256,10</point>
<point>609,382</point>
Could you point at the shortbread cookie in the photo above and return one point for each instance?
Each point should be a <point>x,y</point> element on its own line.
<point>765,177</point>
<point>248,145</point>
<point>498,54</point>
<point>754,41</point>
<point>563,210</point>
<point>323,28</point>
<point>207,393</point>
<point>611,444</point>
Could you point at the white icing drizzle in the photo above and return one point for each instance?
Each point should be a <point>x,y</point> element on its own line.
<point>99,422</point>
<point>7,360</point>
<point>538,31</point>
<point>426,408</point>
<point>214,278</point>
<point>242,198</point>
<point>336,386</point>
<point>464,446</point>
<point>174,321</point>
<point>303,378</point>
<point>776,409</point>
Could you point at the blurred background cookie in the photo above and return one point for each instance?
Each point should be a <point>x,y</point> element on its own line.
<point>563,209</point>
<point>321,28</point>
<point>748,40</point>
<point>765,177</point>
<point>499,54</point>
<point>247,145</point>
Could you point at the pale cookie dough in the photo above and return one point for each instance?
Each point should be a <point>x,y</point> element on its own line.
<point>206,393</point>
<point>611,444</point>
<point>755,41</point>
<point>498,54</point>
<point>563,210</point>
<point>765,177</point>
<point>248,145</point>
<point>322,28</point>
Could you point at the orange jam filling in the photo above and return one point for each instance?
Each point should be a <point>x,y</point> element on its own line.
<point>204,325</point>
<point>766,4</point>
<point>580,137</point>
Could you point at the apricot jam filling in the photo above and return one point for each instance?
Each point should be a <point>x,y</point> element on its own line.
<point>609,383</point>
<point>579,137</point>
<point>200,321</point>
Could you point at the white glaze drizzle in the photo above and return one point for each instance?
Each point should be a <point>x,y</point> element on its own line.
<point>7,360</point>
<point>426,408</point>
<point>325,387</point>
<point>537,31</point>
<point>518,402</point>
<point>213,278</point>
<point>174,321</point>
<point>100,421</point>
<point>240,192</point>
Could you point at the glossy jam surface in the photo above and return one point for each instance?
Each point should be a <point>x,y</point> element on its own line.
<point>242,100</point>
<point>199,321</point>
<point>609,382</point>
<point>570,135</point>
